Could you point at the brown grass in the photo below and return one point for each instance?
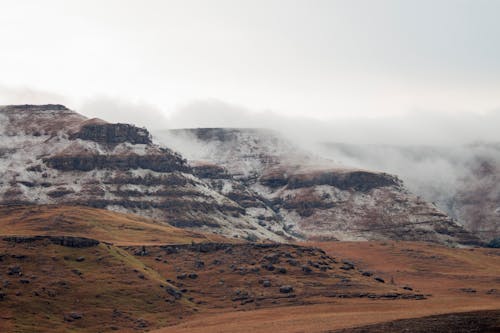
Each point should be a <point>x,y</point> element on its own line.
<point>115,288</point>
<point>100,224</point>
<point>447,275</point>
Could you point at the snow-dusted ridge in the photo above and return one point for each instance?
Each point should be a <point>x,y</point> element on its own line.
<point>246,183</point>
<point>313,196</point>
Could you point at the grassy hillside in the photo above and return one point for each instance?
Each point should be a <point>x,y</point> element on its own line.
<point>52,288</point>
<point>100,224</point>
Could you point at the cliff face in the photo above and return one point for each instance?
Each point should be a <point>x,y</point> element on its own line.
<point>313,197</point>
<point>160,162</point>
<point>348,180</point>
<point>113,134</point>
<point>50,154</point>
<point>463,180</point>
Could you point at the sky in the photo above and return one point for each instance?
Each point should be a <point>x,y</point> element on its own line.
<point>355,70</point>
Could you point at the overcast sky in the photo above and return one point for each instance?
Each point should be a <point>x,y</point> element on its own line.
<point>313,61</point>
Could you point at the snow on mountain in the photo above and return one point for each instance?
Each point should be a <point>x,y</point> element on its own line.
<point>314,197</point>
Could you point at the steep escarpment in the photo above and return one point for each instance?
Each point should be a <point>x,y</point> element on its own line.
<point>160,162</point>
<point>52,155</point>
<point>113,133</point>
<point>313,197</point>
<point>346,180</point>
<point>463,180</point>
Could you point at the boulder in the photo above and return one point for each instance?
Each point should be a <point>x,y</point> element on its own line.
<point>286,289</point>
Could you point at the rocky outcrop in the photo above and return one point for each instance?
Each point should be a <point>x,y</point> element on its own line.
<point>34,108</point>
<point>157,162</point>
<point>68,241</point>
<point>113,134</point>
<point>344,180</point>
<point>210,171</point>
<point>214,134</point>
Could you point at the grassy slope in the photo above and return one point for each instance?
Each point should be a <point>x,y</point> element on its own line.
<point>108,279</point>
<point>447,274</point>
<point>100,224</point>
<point>118,289</point>
<point>110,288</point>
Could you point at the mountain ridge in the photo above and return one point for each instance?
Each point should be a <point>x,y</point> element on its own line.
<point>254,184</point>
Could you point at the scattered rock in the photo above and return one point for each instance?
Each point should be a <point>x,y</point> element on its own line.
<point>174,292</point>
<point>18,256</point>
<point>14,270</point>
<point>193,276</point>
<point>142,252</point>
<point>68,241</point>
<point>269,267</point>
<point>347,265</point>
<point>468,290</point>
<point>379,279</point>
<point>273,259</point>
<point>306,269</point>
<point>72,316</point>
<point>286,289</point>
<point>141,323</point>
<point>80,259</point>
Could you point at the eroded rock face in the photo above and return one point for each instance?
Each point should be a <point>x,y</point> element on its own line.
<point>314,197</point>
<point>344,180</point>
<point>52,155</point>
<point>158,162</point>
<point>113,134</point>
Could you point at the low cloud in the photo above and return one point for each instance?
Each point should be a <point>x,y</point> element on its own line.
<point>29,95</point>
<point>121,111</point>
<point>413,128</point>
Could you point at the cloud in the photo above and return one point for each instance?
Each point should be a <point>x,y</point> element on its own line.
<point>117,110</point>
<point>29,95</point>
<point>417,127</point>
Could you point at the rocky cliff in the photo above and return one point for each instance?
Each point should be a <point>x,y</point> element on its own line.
<point>50,154</point>
<point>313,197</point>
<point>463,180</point>
<point>250,184</point>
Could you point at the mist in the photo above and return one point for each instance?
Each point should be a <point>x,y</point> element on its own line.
<point>436,154</point>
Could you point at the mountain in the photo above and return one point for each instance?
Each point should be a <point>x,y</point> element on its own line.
<point>463,181</point>
<point>52,155</point>
<point>231,239</point>
<point>250,184</point>
<point>312,196</point>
